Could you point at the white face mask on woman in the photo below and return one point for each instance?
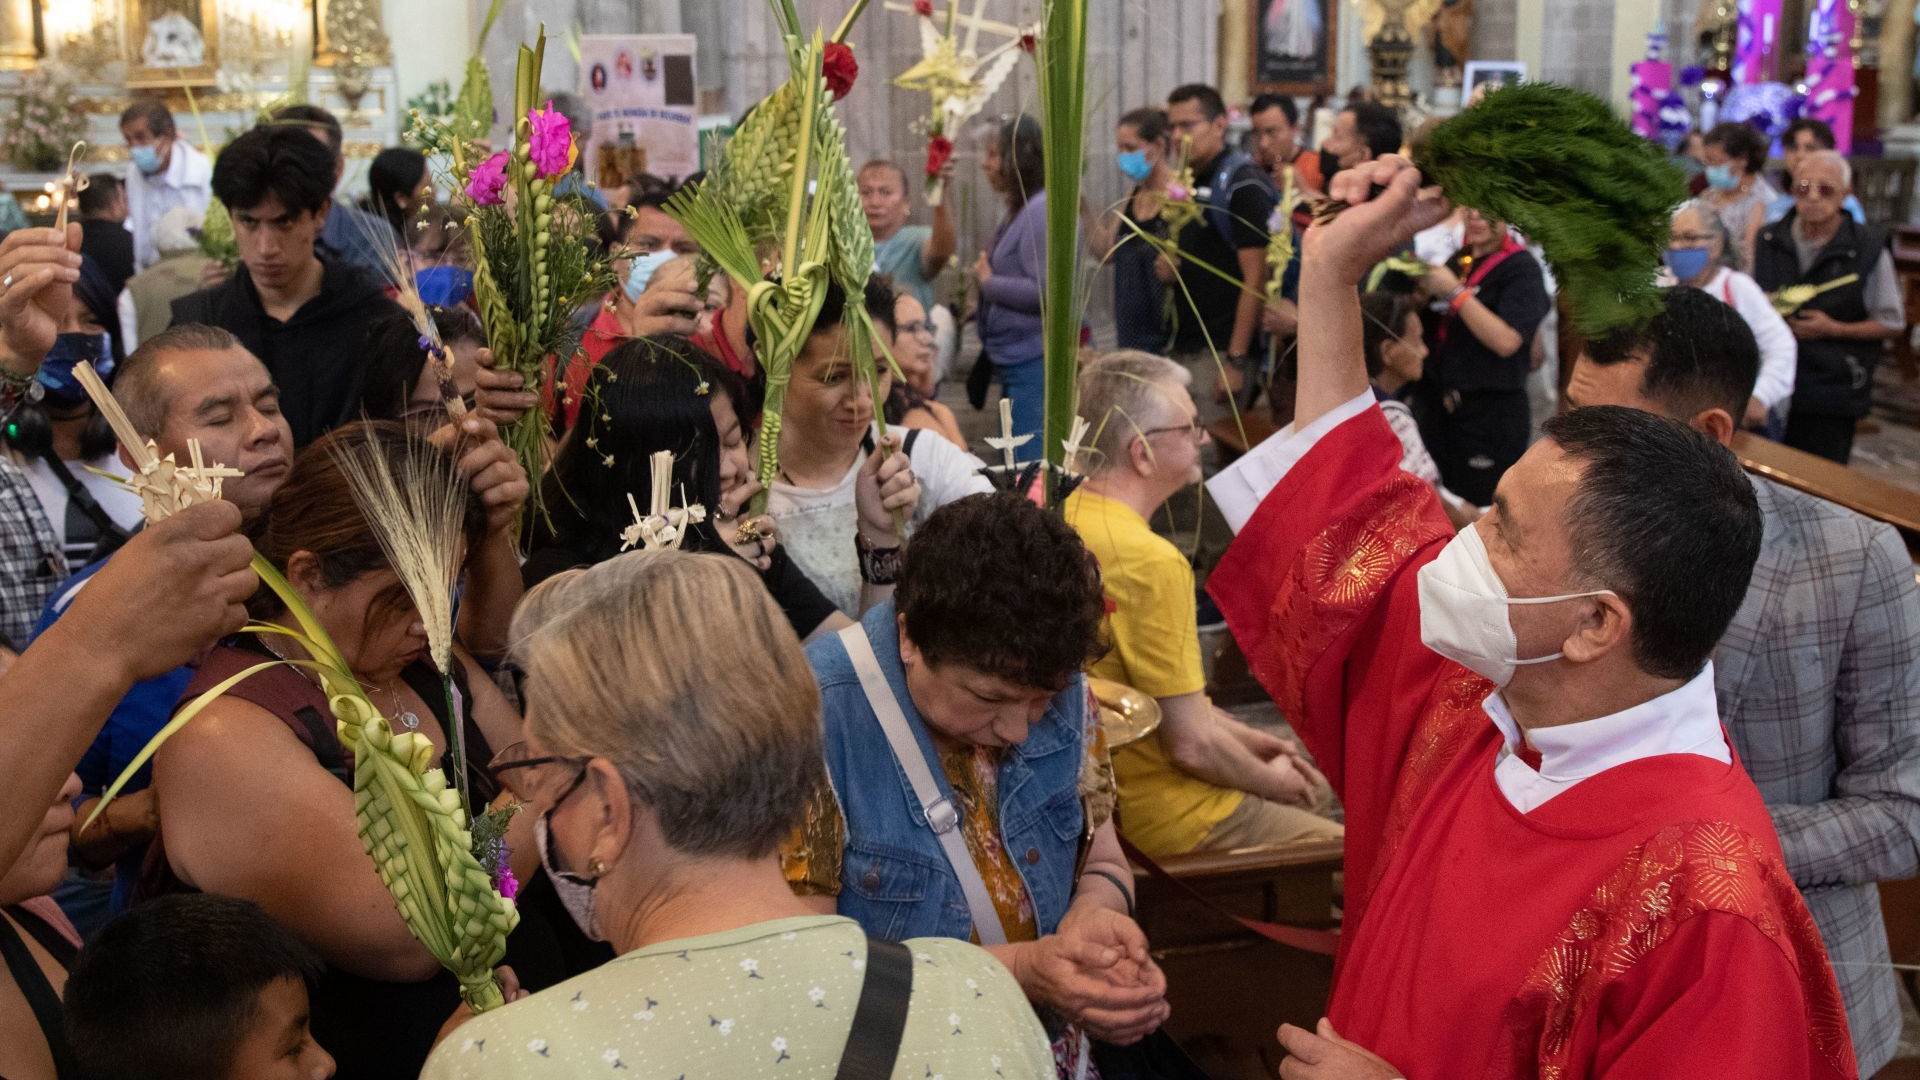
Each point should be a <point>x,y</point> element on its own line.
<point>576,892</point>
<point>1463,610</point>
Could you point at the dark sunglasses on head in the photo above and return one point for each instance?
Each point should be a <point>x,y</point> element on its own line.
<point>1808,187</point>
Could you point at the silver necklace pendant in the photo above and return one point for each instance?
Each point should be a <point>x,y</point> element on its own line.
<point>410,720</point>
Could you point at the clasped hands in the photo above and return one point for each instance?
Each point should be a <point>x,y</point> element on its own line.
<point>1096,972</point>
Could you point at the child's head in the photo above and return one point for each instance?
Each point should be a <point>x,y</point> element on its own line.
<point>190,987</point>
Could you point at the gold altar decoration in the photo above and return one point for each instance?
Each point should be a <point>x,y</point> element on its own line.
<point>21,42</point>
<point>1411,15</point>
<point>352,42</point>
<point>82,34</point>
<point>1390,28</point>
<point>350,30</point>
<point>171,44</point>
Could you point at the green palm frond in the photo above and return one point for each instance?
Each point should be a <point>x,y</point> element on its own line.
<point>1557,164</point>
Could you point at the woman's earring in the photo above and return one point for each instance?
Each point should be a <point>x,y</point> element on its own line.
<point>596,867</point>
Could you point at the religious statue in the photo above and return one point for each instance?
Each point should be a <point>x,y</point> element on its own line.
<point>1452,34</point>
<point>173,41</point>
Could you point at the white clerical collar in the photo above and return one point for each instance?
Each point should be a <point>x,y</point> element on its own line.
<point>1682,721</point>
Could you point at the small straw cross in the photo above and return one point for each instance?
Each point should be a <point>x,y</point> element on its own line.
<point>164,486</point>
<point>72,184</point>
<point>663,526</point>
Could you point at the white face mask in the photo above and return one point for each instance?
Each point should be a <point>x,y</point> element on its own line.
<point>1463,610</point>
<point>576,893</point>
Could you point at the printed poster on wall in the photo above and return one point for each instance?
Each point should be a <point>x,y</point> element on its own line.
<point>644,100</point>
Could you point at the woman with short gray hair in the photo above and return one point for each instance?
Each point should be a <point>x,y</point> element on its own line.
<point>1702,254</point>
<point>672,742</point>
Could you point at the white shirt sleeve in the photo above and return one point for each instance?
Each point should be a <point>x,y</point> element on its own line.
<point>1779,352</point>
<point>129,330</point>
<point>945,472</point>
<point>1239,488</point>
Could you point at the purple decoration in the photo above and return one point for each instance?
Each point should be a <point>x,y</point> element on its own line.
<point>1652,84</point>
<point>1829,84</point>
<point>1754,59</point>
<point>1652,80</point>
<point>1691,75</point>
<point>1675,121</point>
<point>1766,107</point>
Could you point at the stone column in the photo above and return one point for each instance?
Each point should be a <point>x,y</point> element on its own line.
<point>1896,65</point>
<point>1236,51</point>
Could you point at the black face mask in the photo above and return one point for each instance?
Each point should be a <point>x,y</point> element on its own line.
<point>1329,164</point>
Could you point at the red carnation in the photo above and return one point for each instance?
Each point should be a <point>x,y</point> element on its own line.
<point>1027,42</point>
<point>923,8</point>
<point>840,68</point>
<point>939,151</point>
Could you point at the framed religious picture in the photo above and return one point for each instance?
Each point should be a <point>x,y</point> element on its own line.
<point>1492,74</point>
<point>172,43</point>
<point>1293,46</point>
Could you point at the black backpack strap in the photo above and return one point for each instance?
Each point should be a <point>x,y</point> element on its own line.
<point>45,1004</point>
<point>112,536</point>
<point>906,444</point>
<point>879,1020</point>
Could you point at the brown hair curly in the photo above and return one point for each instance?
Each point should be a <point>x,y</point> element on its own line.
<point>998,584</point>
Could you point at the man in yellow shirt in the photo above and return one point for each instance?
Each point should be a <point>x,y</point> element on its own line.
<point>1204,781</point>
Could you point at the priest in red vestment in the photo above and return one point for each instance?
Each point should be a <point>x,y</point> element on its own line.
<point>1555,867</point>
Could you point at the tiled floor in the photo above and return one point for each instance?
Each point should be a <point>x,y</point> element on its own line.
<point>1892,452</point>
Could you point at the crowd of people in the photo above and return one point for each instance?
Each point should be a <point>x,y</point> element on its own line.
<point>1618,740</point>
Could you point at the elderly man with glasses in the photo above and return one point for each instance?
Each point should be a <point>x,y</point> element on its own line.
<point>1838,277</point>
<point>1204,781</point>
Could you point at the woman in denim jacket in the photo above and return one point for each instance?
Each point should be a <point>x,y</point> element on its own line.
<point>996,611</point>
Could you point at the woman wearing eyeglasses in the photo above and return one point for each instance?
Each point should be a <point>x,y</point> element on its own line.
<point>1701,254</point>
<point>910,403</point>
<point>1849,304</point>
<point>670,747</point>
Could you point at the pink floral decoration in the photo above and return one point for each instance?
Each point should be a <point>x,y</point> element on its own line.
<point>487,183</point>
<point>550,145</point>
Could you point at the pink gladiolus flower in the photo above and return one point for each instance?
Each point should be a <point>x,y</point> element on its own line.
<point>487,184</point>
<point>506,884</point>
<point>550,145</point>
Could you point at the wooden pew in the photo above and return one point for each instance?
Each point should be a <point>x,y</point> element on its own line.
<point>1877,499</point>
<point>1229,989</point>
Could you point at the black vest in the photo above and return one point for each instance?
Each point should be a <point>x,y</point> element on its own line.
<point>1834,377</point>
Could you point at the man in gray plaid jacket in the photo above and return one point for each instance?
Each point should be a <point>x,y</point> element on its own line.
<point>1819,675</point>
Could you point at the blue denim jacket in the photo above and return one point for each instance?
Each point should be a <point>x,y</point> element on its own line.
<point>895,880</point>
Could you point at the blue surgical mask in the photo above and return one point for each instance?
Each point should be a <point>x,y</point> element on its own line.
<point>146,159</point>
<point>56,371</point>
<point>1134,165</point>
<point>1721,178</point>
<point>643,270</point>
<point>1687,263</point>
<point>444,286</point>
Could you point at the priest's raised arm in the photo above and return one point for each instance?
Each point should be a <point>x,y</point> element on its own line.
<point>1318,586</point>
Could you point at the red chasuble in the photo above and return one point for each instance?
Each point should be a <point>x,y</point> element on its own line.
<point>1641,924</point>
